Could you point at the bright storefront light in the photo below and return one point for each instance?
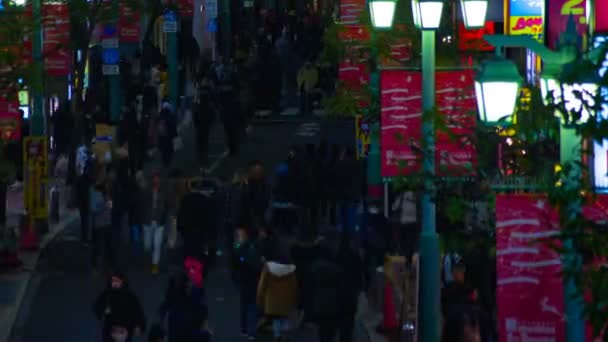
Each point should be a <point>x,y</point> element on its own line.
<point>579,98</point>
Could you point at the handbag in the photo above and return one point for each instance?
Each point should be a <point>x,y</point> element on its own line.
<point>178,143</point>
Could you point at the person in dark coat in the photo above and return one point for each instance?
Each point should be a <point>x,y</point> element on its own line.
<point>198,219</point>
<point>120,310</point>
<point>167,131</point>
<point>326,277</point>
<point>249,266</point>
<point>204,117</point>
<point>180,306</point>
<point>350,175</point>
<point>256,198</point>
<point>304,251</point>
<point>352,265</point>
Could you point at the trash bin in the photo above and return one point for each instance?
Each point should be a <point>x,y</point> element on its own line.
<point>54,210</point>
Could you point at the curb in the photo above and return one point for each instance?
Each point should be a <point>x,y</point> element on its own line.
<point>7,324</point>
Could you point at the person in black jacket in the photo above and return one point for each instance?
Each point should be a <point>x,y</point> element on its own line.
<point>352,265</point>
<point>350,176</point>
<point>249,266</point>
<point>326,277</point>
<point>120,310</point>
<point>204,117</point>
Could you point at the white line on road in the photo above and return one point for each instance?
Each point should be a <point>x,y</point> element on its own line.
<point>217,162</point>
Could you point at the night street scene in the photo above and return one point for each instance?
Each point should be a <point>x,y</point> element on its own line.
<point>304,170</point>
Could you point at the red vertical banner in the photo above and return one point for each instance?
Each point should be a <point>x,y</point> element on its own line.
<point>455,153</point>
<point>129,24</point>
<point>601,16</point>
<point>186,8</point>
<point>350,11</point>
<point>10,120</point>
<point>558,12</point>
<point>529,286</point>
<point>56,39</point>
<point>401,118</point>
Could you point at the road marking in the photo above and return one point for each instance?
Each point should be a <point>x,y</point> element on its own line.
<point>217,162</point>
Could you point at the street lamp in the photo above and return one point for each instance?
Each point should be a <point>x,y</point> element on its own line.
<point>497,86</point>
<point>474,13</point>
<point>427,13</point>
<point>382,13</point>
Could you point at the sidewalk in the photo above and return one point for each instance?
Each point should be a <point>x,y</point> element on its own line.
<point>13,285</point>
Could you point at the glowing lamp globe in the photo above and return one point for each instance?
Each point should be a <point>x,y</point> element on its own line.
<point>497,88</point>
<point>427,13</point>
<point>474,13</point>
<point>382,13</point>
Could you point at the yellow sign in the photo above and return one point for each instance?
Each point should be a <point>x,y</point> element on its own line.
<point>104,137</point>
<point>527,25</point>
<point>35,176</point>
<point>362,131</point>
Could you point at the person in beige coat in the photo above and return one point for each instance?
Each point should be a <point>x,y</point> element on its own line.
<point>277,295</point>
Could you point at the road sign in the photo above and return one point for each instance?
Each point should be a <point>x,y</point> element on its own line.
<point>170,16</point>
<point>170,27</point>
<point>211,9</point>
<point>111,56</point>
<point>109,43</point>
<point>212,26</point>
<point>110,69</point>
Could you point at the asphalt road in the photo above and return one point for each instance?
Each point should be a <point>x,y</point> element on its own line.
<point>57,305</point>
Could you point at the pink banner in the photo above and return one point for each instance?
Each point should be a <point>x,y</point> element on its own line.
<point>558,12</point>
<point>401,119</point>
<point>529,285</point>
<point>56,39</point>
<point>10,120</point>
<point>350,11</point>
<point>456,155</point>
<point>601,16</point>
<point>186,8</point>
<point>129,24</point>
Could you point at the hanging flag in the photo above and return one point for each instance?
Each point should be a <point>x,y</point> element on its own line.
<point>455,153</point>
<point>529,291</point>
<point>56,38</point>
<point>129,23</point>
<point>401,119</point>
<point>601,16</point>
<point>351,10</point>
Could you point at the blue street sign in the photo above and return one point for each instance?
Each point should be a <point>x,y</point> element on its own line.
<point>111,56</point>
<point>109,30</point>
<point>170,16</point>
<point>212,26</point>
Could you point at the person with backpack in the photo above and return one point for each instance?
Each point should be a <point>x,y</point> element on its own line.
<point>120,311</point>
<point>249,266</point>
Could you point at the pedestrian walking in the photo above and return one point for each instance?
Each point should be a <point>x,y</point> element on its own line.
<point>119,310</point>
<point>101,207</point>
<point>154,217</point>
<point>277,294</point>
<point>308,77</point>
<point>182,301</point>
<point>351,264</point>
<point>248,269</point>
<point>84,167</point>
<point>167,131</point>
<point>204,116</point>
<point>326,279</point>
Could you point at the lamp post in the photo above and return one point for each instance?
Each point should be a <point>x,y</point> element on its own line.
<point>570,149</point>
<point>427,17</point>
<point>382,13</point>
<point>37,118</point>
